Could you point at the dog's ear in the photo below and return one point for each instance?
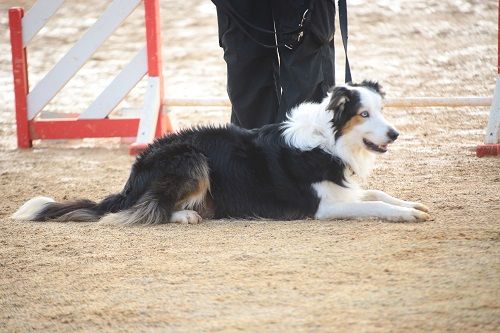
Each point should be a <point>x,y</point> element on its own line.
<point>340,96</point>
<point>374,85</point>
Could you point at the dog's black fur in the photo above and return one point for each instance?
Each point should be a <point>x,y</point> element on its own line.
<point>246,173</point>
<point>253,173</point>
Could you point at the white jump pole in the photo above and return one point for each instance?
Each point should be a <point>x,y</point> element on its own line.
<point>408,102</point>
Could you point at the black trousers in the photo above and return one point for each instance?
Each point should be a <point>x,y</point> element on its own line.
<point>263,84</point>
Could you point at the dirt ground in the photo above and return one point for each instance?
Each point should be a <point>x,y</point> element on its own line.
<point>226,275</point>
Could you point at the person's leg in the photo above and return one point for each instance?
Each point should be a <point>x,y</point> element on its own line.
<point>307,72</point>
<point>252,70</point>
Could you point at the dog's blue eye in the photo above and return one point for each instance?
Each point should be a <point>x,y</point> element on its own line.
<point>364,114</point>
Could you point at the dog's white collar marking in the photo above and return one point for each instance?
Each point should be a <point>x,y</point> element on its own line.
<point>309,126</point>
<point>357,158</point>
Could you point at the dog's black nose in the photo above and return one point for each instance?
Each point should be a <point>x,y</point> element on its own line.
<point>392,134</point>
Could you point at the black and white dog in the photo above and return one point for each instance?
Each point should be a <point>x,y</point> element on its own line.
<point>301,168</point>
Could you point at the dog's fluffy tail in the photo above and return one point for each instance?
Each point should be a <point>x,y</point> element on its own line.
<point>164,179</point>
<point>148,210</point>
<point>44,208</point>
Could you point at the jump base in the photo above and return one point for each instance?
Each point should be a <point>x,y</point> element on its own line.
<point>488,150</point>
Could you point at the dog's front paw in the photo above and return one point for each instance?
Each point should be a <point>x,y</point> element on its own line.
<point>420,213</point>
<point>186,217</point>
<point>416,215</point>
<point>421,207</point>
<point>415,205</point>
<point>409,215</point>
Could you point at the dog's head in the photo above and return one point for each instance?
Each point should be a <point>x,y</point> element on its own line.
<point>357,117</point>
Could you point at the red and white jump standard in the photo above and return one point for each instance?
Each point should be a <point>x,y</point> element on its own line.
<point>94,121</point>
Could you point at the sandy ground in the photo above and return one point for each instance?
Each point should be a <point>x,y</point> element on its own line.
<point>340,276</point>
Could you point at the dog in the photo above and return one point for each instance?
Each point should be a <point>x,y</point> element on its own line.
<point>304,167</point>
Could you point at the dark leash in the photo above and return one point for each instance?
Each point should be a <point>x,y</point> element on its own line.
<point>292,42</point>
<point>345,36</point>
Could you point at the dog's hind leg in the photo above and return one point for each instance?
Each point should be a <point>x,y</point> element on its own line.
<point>181,182</point>
<point>185,217</point>
<point>375,195</point>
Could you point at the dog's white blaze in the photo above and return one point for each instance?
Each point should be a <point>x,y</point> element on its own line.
<point>350,146</point>
<point>375,127</point>
<point>369,98</point>
<point>31,208</point>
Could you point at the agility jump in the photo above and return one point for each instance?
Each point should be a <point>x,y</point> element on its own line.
<point>94,121</point>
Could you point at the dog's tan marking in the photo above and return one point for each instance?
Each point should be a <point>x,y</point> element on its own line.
<point>353,122</point>
<point>196,197</point>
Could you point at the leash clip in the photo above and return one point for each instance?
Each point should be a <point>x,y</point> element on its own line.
<point>303,18</point>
